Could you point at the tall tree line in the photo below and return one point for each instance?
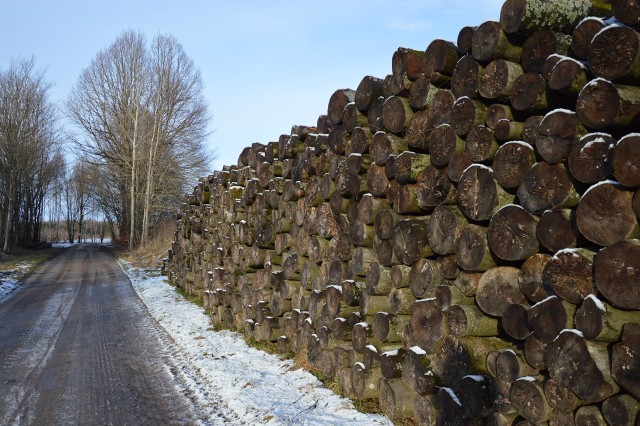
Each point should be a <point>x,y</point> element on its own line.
<point>30,153</point>
<point>144,122</point>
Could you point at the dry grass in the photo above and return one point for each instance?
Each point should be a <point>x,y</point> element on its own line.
<point>151,255</point>
<point>34,258</point>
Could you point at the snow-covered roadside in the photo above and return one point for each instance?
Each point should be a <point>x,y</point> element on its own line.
<point>257,387</point>
<point>10,280</point>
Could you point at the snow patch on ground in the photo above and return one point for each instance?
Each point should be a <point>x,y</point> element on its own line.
<point>256,387</point>
<point>10,280</point>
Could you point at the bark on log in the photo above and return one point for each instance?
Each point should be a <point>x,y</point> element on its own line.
<point>569,77</point>
<point>422,93</point>
<point>479,196</point>
<point>396,114</point>
<point>368,91</point>
<point>444,144</point>
<point>339,99</point>
<point>626,160</point>
<point>625,360</point>
<point>602,104</point>
<point>540,45</point>
<point>383,145</point>
<point>424,277</point>
<point>445,55</point>
<point>617,274</point>
<point>466,77</point>
<point>416,372</point>
<point>511,162</point>
<point>547,186</point>
<point>600,321</point>
<point>582,366</point>
<point>527,16</point>
<point>530,93</point>
<point>419,131</point>
<point>508,130</point>
<point>557,133</point>
<point>614,54</point>
<point>390,328</point>
<point>434,188</point>
<point>480,144</point>
<point>621,410</point>
<point>410,240</point>
<point>448,295</point>
<point>596,204</point>
<point>491,42</point>
<point>590,158</point>
<point>583,35</point>
<point>512,233</point>
<point>411,62</point>
<point>408,165</point>
<point>498,79</point>
<point>469,320</point>
<point>472,249</point>
<point>466,114</point>
<point>444,228</point>
<point>549,317</point>
<point>557,229</point>
<point>570,274</point>
<point>527,397</point>
<point>497,289</point>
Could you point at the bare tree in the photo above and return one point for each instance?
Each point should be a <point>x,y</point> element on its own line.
<point>142,112</point>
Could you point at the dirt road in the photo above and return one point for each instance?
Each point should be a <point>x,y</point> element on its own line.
<point>77,346</point>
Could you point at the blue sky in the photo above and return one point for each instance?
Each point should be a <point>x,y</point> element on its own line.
<point>266,65</point>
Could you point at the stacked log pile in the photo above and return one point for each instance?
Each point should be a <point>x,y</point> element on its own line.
<point>459,239</point>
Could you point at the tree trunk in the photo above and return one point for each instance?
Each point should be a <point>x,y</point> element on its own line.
<point>508,130</point>
<point>527,16</point>
<point>416,372</point>
<point>512,233</point>
<point>396,398</point>
<point>617,274</point>
<point>530,93</point>
<point>624,360</point>
<point>377,180</point>
<point>353,118</point>
<point>515,322</point>
<point>469,320</point>
<point>440,108</point>
<point>390,328</point>
<point>570,274</point>
<point>408,164</point>
<point>422,93</point>
<point>445,55</point>
<point>539,45</point>
<point>596,203</point>
<point>569,77</point>
<point>434,188</point>
<point>444,144</point>
<point>560,397</point>
<point>427,325</point>
<point>527,397</point>
<point>621,410</point>
<point>601,322</point>
<point>374,115</point>
<point>383,145</point>
<point>491,42</point>
<point>360,140</point>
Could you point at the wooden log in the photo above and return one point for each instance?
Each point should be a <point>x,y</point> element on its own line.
<point>401,300</point>
<point>449,408</point>
<point>365,381</point>
<point>408,165</point>
<point>396,85</point>
<point>560,397</point>
<point>528,398</point>
<point>626,158</point>
<point>424,277</point>
<point>507,130</point>
<point>527,16</point>
<point>480,144</point>
<point>465,79</point>
<point>621,410</point>
<point>405,199</point>
<point>445,225</point>
<point>596,203</point>
<point>589,415</point>
<point>467,113</point>
<point>511,162</point>
<point>374,115</point>
<point>557,229</point>
<point>383,145</point>
<point>624,360</point>
<point>475,396</point>
<point>465,40</point>
<point>390,328</point>
<point>602,104</point>
<point>422,93</point>
<point>427,325</point>
<point>530,129</point>
<point>339,99</point>
<point>419,131</point>
<point>498,79</point>
<point>424,407</point>
<point>497,289</point>
<point>515,321</point>
<point>479,196</point>
<point>410,240</point>
<point>569,76</point>
<point>448,295</point>
<point>440,108</point>
<point>530,93</point>
<point>626,11</point>
<point>496,112</point>
<point>510,364</point>
<point>377,181</point>
<point>614,54</point>
<point>549,317</point>
<point>352,117</point>
<point>445,55</point>
<point>469,320</point>
<point>468,282</point>
<point>458,163</point>
<point>360,141</point>
<point>416,372</point>
<point>378,279</point>
<point>547,186</point>
<point>384,223</point>
<point>396,398</point>
<point>617,274</point>
<point>491,42</point>
<point>368,91</point>
<point>583,35</point>
<point>472,249</point>
<point>636,203</point>
<point>512,233</point>
<point>540,45</point>
<point>391,363</point>
<point>557,133</point>
<point>433,188</point>
<point>534,352</point>
<point>410,62</point>
<point>590,157</point>
<point>600,321</point>
<point>570,274</point>
<point>444,144</point>
<point>338,141</point>
<point>396,114</point>
<point>582,366</point>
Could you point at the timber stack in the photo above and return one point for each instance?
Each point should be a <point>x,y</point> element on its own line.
<point>459,239</point>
